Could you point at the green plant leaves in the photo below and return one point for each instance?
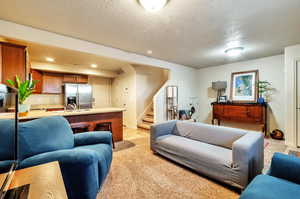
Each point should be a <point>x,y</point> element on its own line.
<point>25,88</point>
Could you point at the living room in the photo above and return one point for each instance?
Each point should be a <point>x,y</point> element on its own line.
<point>230,69</point>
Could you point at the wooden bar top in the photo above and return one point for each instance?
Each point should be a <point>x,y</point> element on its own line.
<point>45,181</point>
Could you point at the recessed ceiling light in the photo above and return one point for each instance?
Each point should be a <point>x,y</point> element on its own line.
<point>149,52</point>
<point>94,65</point>
<point>49,59</point>
<point>234,52</point>
<point>153,5</point>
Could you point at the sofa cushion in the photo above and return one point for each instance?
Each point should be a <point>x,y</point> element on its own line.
<point>210,155</point>
<point>44,135</point>
<point>268,187</point>
<point>220,136</point>
<point>7,139</point>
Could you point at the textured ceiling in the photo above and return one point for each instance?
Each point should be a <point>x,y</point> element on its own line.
<point>189,32</point>
<point>38,53</point>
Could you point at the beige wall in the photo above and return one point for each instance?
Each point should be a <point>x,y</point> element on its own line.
<point>101,91</point>
<point>270,69</point>
<point>292,55</point>
<point>124,94</point>
<point>148,81</point>
<point>45,99</point>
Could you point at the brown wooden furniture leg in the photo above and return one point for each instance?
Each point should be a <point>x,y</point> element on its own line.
<point>105,126</point>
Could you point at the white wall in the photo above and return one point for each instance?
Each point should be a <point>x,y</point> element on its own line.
<point>148,81</point>
<point>270,69</point>
<point>101,91</point>
<point>187,81</point>
<point>292,55</point>
<point>124,95</point>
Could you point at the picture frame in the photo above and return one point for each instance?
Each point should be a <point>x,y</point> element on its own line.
<point>222,99</point>
<point>243,87</point>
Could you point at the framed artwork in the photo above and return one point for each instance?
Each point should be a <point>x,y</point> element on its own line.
<point>222,99</point>
<point>243,86</point>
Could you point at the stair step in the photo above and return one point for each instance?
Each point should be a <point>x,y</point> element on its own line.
<point>144,126</point>
<point>148,119</point>
<point>150,113</point>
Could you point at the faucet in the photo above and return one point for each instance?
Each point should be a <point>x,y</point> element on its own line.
<point>72,106</point>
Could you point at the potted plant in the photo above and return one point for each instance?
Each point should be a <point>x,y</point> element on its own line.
<point>25,89</point>
<point>263,88</point>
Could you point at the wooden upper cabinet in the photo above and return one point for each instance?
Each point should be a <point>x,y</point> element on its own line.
<point>72,78</point>
<point>52,83</point>
<point>83,79</point>
<point>37,75</point>
<point>13,62</point>
<point>68,78</point>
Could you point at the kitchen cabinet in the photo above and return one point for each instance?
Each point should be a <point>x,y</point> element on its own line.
<point>72,78</point>
<point>82,79</point>
<point>52,83</point>
<point>37,75</point>
<point>12,61</point>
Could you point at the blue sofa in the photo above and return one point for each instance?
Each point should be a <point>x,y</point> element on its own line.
<point>84,159</point>
<point>281,182</point>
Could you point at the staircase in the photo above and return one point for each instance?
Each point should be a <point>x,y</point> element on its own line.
<point>147,120</point>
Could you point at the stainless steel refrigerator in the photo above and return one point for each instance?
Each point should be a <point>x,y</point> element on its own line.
<point>79,96</point>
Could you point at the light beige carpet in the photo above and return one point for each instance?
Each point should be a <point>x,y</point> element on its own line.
<point>136,173</point>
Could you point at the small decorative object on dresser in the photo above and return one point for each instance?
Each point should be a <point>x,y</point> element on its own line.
<point>243,86</point>
<point>222,99</point>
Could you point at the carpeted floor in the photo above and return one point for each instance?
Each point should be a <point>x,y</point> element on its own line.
<point>137,173</point>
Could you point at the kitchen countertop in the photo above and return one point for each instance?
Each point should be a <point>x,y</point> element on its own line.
<point>48,106</point>
<point>42,113</point>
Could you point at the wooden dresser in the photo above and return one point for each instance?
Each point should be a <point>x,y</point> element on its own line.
<point>241,112</point>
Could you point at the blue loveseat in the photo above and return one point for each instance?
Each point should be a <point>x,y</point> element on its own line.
<point>84,159</point>
<point>282,181</point>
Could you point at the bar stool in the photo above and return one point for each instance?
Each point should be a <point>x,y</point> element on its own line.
<point>105,126</point>
<point>80,127</point>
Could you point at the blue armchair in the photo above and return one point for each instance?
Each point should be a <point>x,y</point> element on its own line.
<point>282,181</point>
<point>84,159</point>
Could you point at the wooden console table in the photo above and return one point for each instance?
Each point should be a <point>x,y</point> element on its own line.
<point>45,181</point>
<point>241,112</point>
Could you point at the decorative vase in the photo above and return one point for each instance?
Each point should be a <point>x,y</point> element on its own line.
<point>260,100</point>
<point>23,109</point>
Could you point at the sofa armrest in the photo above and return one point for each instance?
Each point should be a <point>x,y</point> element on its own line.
<point>79,168</point>
<point>248,155</point>
<point>161,129</point>
<point>285,167</point>
<point>90,138</point>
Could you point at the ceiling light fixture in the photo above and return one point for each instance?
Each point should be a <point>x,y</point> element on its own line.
<point>234,52</point>
<point>94,65</point>
<point>153,5</point>
<point>49,59</point>
<point>149,52</point>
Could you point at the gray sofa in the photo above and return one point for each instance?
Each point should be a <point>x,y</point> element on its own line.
<point>233,156</point>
